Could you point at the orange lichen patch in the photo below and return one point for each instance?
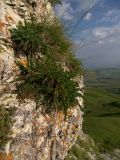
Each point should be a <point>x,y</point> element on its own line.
<point>70,112</point>
<point>2,25</point>
<point>9,19</point>
<point>6,157</point>
<point>24,62</point>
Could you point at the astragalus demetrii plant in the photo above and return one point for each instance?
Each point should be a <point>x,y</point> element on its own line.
<point>48,51</point>
<point>48,79</point>
<point>34,36</point>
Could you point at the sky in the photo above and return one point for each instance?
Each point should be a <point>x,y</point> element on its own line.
<point>87,23</point>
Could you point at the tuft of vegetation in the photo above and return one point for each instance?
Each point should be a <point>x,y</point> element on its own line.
<point>48,79</point>
<point>34,38</point>
<point>54,2</point>
<point>5,124</point>
<point>48,54</point>
<point>27,38</point>
<point>43,38</point>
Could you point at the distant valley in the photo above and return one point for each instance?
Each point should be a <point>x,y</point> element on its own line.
<point>102,107</point>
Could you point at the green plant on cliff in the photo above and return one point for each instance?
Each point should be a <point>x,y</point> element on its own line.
<point>54,2</point>
<point>46,77</point>
<point>5,124</point>
<point>35,38</point>
<point>27,37</point>
<point>49,79</point>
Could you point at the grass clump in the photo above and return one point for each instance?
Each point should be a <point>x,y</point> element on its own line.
<point>27,38</point>
<point>54,2</point>
<point>5,124</point>
<point>45,75</point>
<point>34,38</point>
<point>49,79</point>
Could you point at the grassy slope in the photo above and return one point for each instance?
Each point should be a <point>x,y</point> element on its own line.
<point>105,131</point>
<point>102,111</point>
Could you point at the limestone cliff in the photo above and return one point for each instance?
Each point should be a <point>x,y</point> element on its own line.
<point>35,135</point>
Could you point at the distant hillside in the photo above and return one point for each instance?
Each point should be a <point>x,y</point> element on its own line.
<point>102,107</point>
<point>105,78</point>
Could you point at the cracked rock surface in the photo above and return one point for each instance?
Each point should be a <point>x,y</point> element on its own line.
<point>35,135</point>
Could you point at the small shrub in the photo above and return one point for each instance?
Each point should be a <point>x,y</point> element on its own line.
<point>27,37</point>
<point>34,38</point>
<point>38,37</point>
<point>54,2</point>
<point>5,124</point>
<point>54,37</point>
<point>47,78</point>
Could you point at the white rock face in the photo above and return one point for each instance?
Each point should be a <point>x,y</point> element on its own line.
<point>35,135</point>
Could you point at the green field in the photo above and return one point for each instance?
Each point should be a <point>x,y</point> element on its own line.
<point>102,109</point>
<point>102,118</point>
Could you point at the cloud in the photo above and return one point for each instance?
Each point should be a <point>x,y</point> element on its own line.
<point>102,32</point>
<point>98,33</point>
<point>71,13</point>
<point>88,17</point>
<point>111,16</point>
<point>86,4</point>
<point>70,9</point>
<point>65,11</point>
<point>102,3</point>
<point>94,47</point>
<point>98,52</point>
